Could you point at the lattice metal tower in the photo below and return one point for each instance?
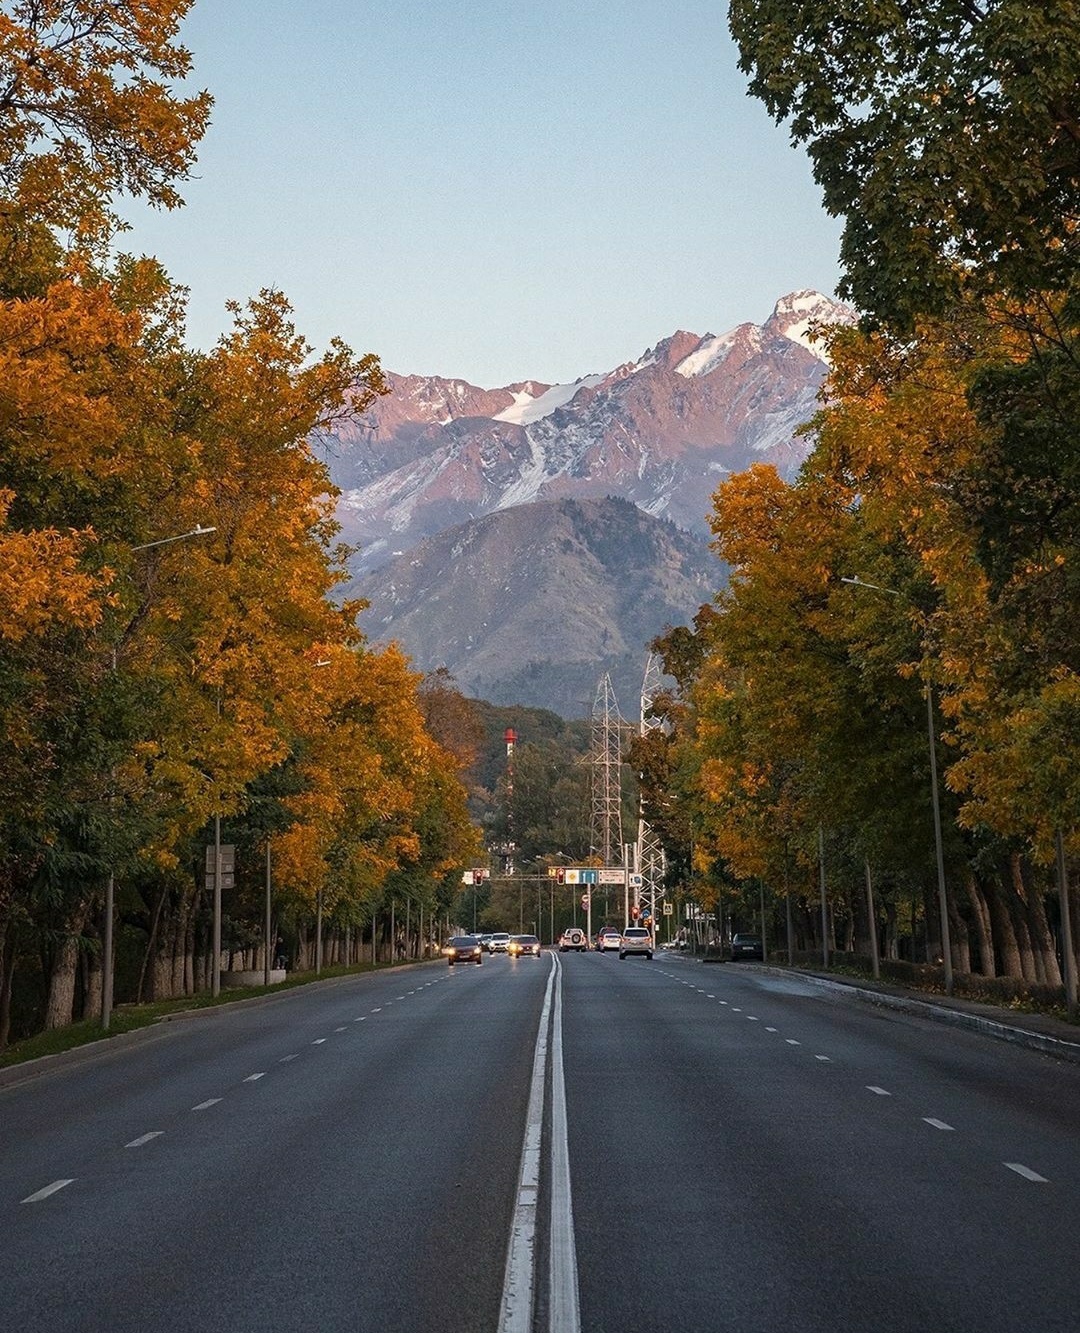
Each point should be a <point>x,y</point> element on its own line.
<point>649,859</point>
<point>605,833</point>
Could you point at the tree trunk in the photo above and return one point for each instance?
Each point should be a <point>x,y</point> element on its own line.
<point>1042,941</point>
<point>94,982</point>
<point>61,999</point>
<point>959,939</point>
<point>151,945</point>
<point>1004,935</point>
<point>981,916</point>
<point>7,978</point>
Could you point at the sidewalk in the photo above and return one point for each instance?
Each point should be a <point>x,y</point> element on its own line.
<point>1041,1032</point>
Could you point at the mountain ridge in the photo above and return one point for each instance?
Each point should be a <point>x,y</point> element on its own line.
<point>660,431</point>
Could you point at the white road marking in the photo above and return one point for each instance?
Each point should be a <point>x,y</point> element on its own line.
<point>564,1307</point>
<point>710,997</point>
<point>318,1041</point>
<point>253,1078</point>
<point>937,1124</point>
<point>339,1029</point>
<point>361,1019</point>
<point>377,1011</point>
<point>879,1091</point>
<point>49,1189</point>
<point>285,1059</point>
<point>770,1029</point>
<point>205,1106</point>
<point>735,1009</point>
<point>723,1001</point>
<point>825,1058</point>
<point>751,1018</point>
<point>515,1310</point>
<point>145,1138</point>
<point>792,1042</point>
<point>1022,1170</point>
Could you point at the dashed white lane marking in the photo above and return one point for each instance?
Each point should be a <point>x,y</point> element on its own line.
<point>735,1009</point>
<point>254,1078</point>
<point>205,1106</point>
<point>360,1019</point>
<point>49,1189</point>
<point>880,1092</point>
<point>771,1029</point>
<point>318,1041</point>
<point>339,1029</point>
<point>286,1058</point>
<point>723,1001</point>
<point>377,1011</point>
<point>937,1124</point>
<point>710,997</point>
<point>145,1138</point>
<point>1018,1167</point>
<point>752,1018</point>
<point>823,1058</point>
<point>792,1042</point>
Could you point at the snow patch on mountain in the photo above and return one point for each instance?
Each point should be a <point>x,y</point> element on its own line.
<point>526,408</point>
<point>711,352</point>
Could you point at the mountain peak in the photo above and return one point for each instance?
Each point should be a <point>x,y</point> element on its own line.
<point>794,316</point>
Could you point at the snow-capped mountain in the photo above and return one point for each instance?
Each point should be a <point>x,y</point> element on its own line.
<point>660,431</point>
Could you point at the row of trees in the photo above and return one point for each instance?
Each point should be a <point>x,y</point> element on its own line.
<point>943,471</point>
<point>171,653</point>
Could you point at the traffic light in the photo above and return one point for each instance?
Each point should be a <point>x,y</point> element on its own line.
<point>560,875</point>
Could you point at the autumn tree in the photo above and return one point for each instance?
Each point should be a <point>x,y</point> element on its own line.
<point>89,111</point>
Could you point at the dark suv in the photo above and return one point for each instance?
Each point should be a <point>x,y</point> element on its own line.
<point>746,946</point>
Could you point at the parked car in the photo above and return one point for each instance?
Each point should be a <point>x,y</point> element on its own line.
<point>523,946</point>
<point>573,938</point>
<point>607,938</point>
<point>746,946</point>
<point>499,942</point>
<point>636,939</point>
<point>463,949</point>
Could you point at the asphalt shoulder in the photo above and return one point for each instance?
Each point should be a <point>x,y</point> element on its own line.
<point>1044,1032</point>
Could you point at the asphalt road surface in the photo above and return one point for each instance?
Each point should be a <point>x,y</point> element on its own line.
<point>567,1143</point>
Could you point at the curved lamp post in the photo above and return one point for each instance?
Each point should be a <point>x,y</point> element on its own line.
<point>943,904</point>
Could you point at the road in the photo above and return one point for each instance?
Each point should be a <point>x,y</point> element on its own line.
<point>740,1149</point>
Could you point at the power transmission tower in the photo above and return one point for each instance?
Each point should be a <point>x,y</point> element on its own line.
<point>605,833</point>
<point>650,861</point>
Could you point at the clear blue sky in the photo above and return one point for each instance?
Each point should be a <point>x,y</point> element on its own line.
<point>497,191</point>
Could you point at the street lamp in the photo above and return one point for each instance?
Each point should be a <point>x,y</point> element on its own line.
<point>110,884</point>
<point>943,904</point>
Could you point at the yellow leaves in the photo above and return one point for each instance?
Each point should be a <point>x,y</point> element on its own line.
<point>41,582</point>
<point>88,109</point>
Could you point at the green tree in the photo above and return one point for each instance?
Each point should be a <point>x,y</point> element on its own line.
<point>946,134</point>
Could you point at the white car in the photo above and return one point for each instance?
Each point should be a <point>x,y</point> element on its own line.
<point>573,938</point>
<point>636,939</point>
<point>499,941</point>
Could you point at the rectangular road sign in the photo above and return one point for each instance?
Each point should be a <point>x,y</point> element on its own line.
<point>613,876</point>
<point>228,858</point>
